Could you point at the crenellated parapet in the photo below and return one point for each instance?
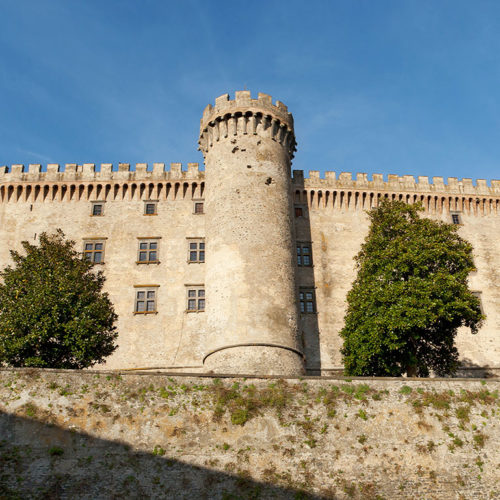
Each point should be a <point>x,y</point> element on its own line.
<point>86,182</point>
<point>344,192</point>
<point>89,172</point>
<point>397,183</point>
<point>246,116</point>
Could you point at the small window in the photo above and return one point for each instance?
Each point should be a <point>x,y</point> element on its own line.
<point>196,250</point>
<point>93,250</point>
<point>195,298</point>
<point>145,300</point>
<point>304,256</point>
<point>478,296</point>
<point>148,251</point>
<point>455,218</point>
<point>299,211</point>
<point>307,301</point>
<point>199,207</point>
<point>150,208</point>
<point>97,209</point>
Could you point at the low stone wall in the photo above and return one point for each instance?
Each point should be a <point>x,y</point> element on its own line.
<point>83,434</point>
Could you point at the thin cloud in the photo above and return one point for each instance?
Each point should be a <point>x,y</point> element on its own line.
<point>38,156</point>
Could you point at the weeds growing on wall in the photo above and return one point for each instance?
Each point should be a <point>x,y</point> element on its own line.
<point>310,417</point>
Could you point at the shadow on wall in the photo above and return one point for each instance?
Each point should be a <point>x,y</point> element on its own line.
<point>42,460</point>
<point>305,276</point>
<point>469,369</point>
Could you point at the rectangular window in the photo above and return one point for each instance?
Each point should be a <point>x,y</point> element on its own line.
<point>146,299</point>
<point>150,208</point>
<point>195,298</point>
<point>304,255</point>
<point>93,250</point>
<point>299,211</point>
<point>97,209</point>
<point>148,251</point>
<point>196,250</point>
<point>198,207</point>
<point>307,301</point>
<point>478,296</point>
<point>455,218</point>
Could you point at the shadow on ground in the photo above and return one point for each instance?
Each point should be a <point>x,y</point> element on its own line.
<point>44,461</point>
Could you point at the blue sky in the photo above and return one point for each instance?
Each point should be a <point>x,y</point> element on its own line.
<point>385,86</point>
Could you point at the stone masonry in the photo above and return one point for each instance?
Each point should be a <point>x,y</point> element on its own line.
<point>108,435</point>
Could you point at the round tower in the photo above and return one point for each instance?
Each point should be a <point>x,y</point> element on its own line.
<point>252,313</point>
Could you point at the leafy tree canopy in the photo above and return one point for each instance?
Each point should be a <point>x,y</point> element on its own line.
<point>53,312</point>
<point>409,297</point>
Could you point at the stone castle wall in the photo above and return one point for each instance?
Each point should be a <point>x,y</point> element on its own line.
<point>333,220</point>
<point>120,435</point>
<point>52,199</point>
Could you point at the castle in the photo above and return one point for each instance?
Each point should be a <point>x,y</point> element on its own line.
<point>243,267</point>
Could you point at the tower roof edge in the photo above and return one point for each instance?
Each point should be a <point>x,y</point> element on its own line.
<point>243,103</point>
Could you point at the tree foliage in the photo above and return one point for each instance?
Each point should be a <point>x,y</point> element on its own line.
<point>409,297</point>
<point>53,312</point>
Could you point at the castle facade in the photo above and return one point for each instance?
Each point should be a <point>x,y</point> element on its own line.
<point>243,267</point>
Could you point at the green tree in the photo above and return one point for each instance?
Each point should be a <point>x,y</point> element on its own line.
<point>409,297</point>
<point>53,312</point>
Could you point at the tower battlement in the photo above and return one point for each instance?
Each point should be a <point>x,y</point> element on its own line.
<point>246,117</point>
<point>242,102</point>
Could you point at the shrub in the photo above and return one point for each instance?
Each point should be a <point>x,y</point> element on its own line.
<point>53,313</point>
<point>410,296</point>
